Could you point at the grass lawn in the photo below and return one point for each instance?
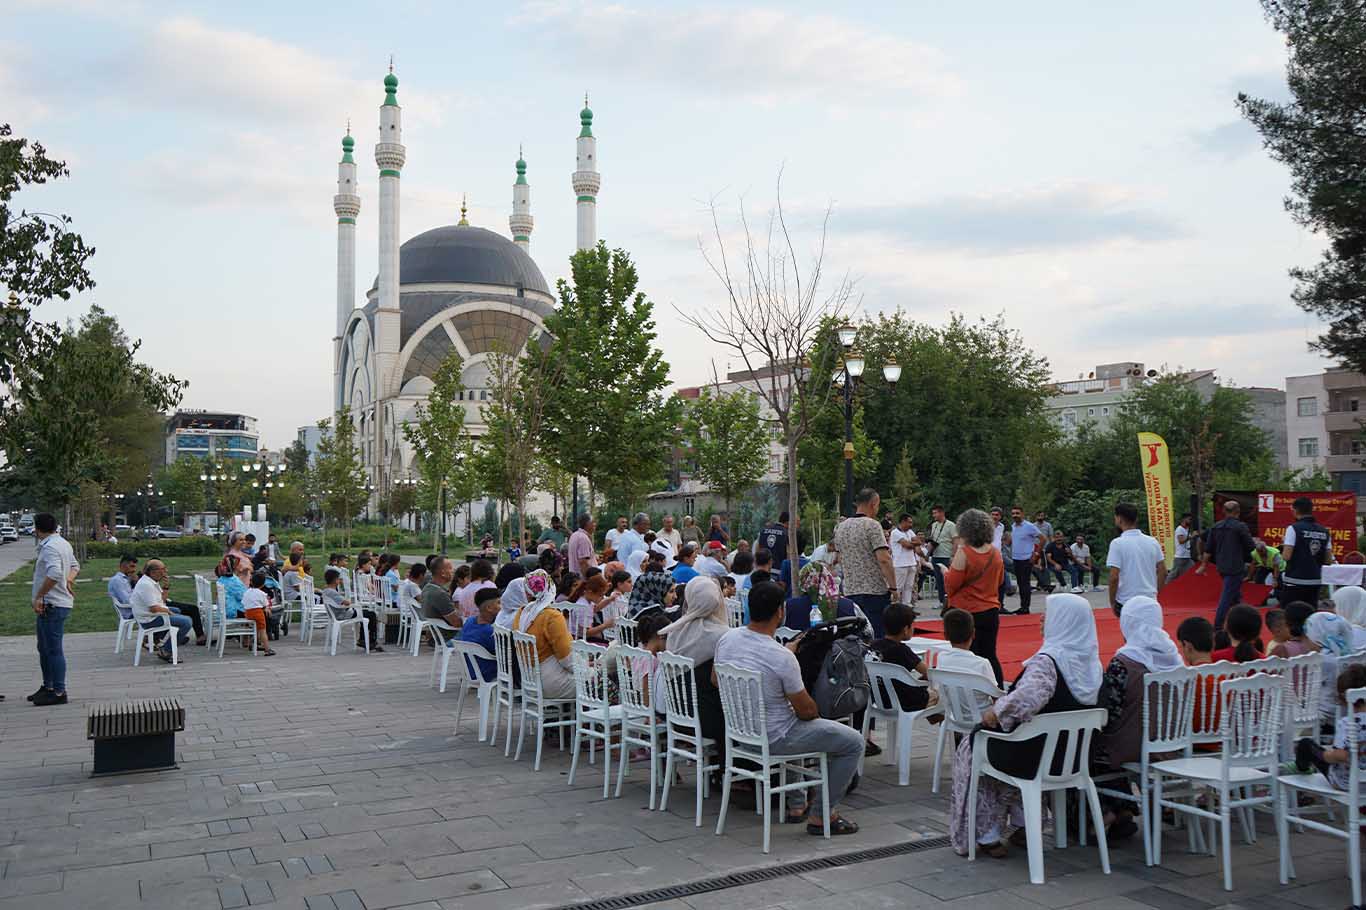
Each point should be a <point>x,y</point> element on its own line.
<point>93,612</point>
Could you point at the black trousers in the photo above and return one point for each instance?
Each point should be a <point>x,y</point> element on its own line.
<point>1024,568</point>
<point>1309,594</point>
<point>985,625</point>
<point>192,611</point>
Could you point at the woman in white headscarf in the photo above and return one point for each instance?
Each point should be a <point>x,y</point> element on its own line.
<point>1064,675</point>
<point>540,619</point>
<point>704,621</point>
<point>1350,604</point>
<point>514,598</point>
<point>1332,636</point>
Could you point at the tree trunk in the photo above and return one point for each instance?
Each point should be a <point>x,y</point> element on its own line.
<point>793,551</point>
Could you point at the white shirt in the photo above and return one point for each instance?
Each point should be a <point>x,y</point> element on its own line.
<point>1183,542</point>
<point>1081,553</point>
<point>629,541</point>
<point>146,595</point>
<point>780,674</point>
<point>611,538</point>
<point>902,557</point>
<point>255,599</point>
<point>997,534</point>
<point>961,660</point>
<point>674,538</point>
<point>1136,555</point>
<point>709,565</point>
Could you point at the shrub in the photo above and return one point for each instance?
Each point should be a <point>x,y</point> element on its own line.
<point>143,549</point>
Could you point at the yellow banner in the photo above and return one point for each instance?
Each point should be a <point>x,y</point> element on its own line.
<point>1157,482</point>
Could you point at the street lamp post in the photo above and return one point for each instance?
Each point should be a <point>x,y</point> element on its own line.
<point>442,507</point>
<point>851,368</point>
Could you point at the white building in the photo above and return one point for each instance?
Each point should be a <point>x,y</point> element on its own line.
<point>453,287</point>
<point>211,435</point>
<point>1325,416</point>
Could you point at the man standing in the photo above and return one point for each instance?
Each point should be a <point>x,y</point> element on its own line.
<point>1227,545</point>
<point>671,534</point>
<point>1307,548</point>
<point>614,533</point>
<point>1044,525</point>
<point>1183,560</point>
<point>554,533</point>
<point>903,542</point>
<point>691,533</point>
<point>1024,545</point>
<point>773,538</point>
<point>632,539</point>
<point>1000,540</point>
<point>151,612</point>
<point>869,578</point>
<point>1137,564</point>
<point>581,555</point>
<point>54,574</point>
<point>943,533</point>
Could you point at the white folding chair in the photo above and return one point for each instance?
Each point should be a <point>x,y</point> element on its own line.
<point>314,613</point>
<point>416,623</point>
<point>208,606</point>
<point>884,703</point>
<point>545,713</point>
<point>508,694</point>
<point>596,718</point>
<point>469,677</point>
<point>1072,760</point>
<point>626,632</point>
<point>148,635</point>
<point>578,618</point>
<point>335,624</point>
<point>127,625</point>
<point>1316,785</point>
<point>442,635</point>
<point>1168,712</point>
<point>640,723</point>
<point>735,612</point>
<point>683,729</point>
<point>1252,714</point>
<point>783,635</point>
<point>747,740</point>
<point>233,627</point>
<point>962,697</point>
<point>1302,697</point>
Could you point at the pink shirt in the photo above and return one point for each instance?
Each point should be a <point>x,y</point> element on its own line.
<point>465,597</point>
<point>580,547</point>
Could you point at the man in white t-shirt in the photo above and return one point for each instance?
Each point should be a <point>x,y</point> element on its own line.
<point>1182,561</point>
<point>614,533</point>
<point>671,534</point>
<point>1137,564</point>
<point>794,723</point>
<point>149,607</point>
<point>903,541</point>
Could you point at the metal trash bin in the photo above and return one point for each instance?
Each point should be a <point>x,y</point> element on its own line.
<point>134,736</point>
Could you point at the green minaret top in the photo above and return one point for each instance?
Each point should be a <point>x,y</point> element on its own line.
<point>521,168</point>
<point>391,87</point>
<point>586,118</point>
<point>348,146</point>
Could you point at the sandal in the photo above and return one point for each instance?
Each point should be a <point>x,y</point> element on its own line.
<point>1019,838</point>
<point>997,850</point>
<point>267,653</point>
<point>795,818</point>
<point>838,826</point>
<point>1122,829</point>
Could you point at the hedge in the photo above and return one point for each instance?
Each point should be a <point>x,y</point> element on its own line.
<point>143,549</point>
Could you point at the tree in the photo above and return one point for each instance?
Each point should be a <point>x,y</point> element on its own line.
<point>1321,137</point>
<point>287,500</point>
<point>608,418</point>
<point>340,477</point>
<point>729,441</point>
<point>822,453</point>
<point>40,257</point>
<point>520,385</point>
<point>180,481</point>
<point>775,305</point>
<point>296,458</point>
<point>437,432</point>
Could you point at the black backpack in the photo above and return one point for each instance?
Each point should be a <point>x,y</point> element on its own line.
<point>842,686</point>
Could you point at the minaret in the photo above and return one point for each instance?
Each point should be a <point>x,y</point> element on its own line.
<point>587,180</point>
<point>347,206</point>
<point>389,155</point>
<point>521,221</point>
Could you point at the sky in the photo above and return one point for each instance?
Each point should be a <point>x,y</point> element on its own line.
<point>1080,168</point>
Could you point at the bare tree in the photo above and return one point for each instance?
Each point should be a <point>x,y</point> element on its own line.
<point>775,308</point>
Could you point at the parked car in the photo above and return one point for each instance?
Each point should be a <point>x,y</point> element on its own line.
<point>26,529</point>
<point>168,533</point>
<point>8,533</point>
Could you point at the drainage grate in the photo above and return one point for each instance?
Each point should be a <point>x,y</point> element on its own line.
<point>736,879</point>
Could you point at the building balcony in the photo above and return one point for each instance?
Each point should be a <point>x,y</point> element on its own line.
<point>1337,380</point>
<point>1344,421</point>
<point>1337,463</point>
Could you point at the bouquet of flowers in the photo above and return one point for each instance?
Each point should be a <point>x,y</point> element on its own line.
<point>821,585</point>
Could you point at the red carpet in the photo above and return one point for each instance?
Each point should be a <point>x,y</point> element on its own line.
<point>1189,595</point>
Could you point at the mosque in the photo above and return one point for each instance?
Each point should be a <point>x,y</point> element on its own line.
<point>452,288</point>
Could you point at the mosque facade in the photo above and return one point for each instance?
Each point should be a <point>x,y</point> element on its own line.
<point>454,287</point>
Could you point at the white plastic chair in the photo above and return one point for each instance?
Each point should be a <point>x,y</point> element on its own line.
<point>883,703</point>
<point>507,694</point>
<point>1252,714</point>
<point>962,697</point>
<point>596,718</point>
<point>747,740</point>
<point>335,626</point>
<point>208,606</point>
<point>469,677</point>
<point>1302,697</point>
<point>417,622</point>
<point>127,625</point>
<point>442,633</point>
<point>314,613</point>
<point>683,729</point>
<point>1316,785</point>
<point>735,612</point>
<point>544,712</point>
<point>626,632</point>
<point>232,627</point>
<point>1073,773</point>
<point>783,635</point>
<point>640,722</point>
<point>291,605</point>
<point>578,618</point>
<point>1168,712</point>
<point>148,635</point>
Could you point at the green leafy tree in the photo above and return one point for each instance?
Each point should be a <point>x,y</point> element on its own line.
<point>520,385</point>
<point>906,493</point>
<point>821,453</point>
<point>180,481</point>
<point>287,500</point>
<point>438,436</point>
<point>1320,135</point>
<point>296,458</point>
<point>729,441</point>
<point>340,476</point>
<point>608,419</point>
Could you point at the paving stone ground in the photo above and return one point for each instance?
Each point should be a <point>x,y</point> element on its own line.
<point>312,783</point>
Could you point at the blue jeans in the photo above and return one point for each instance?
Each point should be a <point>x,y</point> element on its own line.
<point>51,626</point>
<point>941,566</point>
<point>872,606</point>
<point>1230,596</point>
<point>842,745</point>
<point>182,625</point>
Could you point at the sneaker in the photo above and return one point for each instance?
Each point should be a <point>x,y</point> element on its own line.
<point>1078,590</point>
<point>36,692</point>
<point>46,698</point>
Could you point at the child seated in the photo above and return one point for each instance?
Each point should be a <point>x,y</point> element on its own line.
<point>1195,638</point>
<point>1295,643</point>
<point>340,607</point>
<point>1332,763</point>
<point>1243,640</point>
<point>479,629</point>
<point>959,631</point>
<point>256,607</point>
<point>898,621</point>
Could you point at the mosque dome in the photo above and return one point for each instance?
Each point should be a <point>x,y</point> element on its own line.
<point>463,254</point>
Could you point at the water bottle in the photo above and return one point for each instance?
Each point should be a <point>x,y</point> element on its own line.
<point>815,615</point>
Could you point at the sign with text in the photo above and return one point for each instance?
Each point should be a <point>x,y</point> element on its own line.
<point>1274,512</point>
<point>1157,483</point>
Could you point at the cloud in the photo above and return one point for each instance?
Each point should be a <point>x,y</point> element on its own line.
<point>1186,319</point>
<point>1051,217</point>
<point>761,53</point>
<point>1229,140</point>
